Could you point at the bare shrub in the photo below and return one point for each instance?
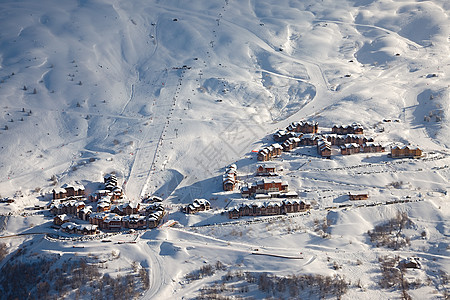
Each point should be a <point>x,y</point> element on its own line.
<point>390,234</point>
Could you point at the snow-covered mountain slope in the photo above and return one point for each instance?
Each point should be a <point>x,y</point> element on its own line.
<point>166,93</point>
<point>108,82</point>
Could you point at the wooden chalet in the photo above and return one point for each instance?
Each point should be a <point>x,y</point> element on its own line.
<point>110,178</point>
<point>276,149</point>
<point>113,223</point>
<point>124,209</point>
<point>69,227</point>
<point>84,229</point>
<point>99,194</point>
<point>196,206</point>
<point>348,149</point>
<point>264,155</point>
<point>283,135</point>
<point>61,219</point>
<point>270,185</point>
<point>290,144</point>
<point>68,191</point>
<point>292,206</point>
<point>340,140</point>
<point>264,186</point>
<point>134,222</point>
<point>358,196</point>
<point>324,148</point>
<point>229,178</point>
<point>110,186</point>
<point>228,184</point>
<point>98,218</point>
<point>354,128</point>
<point>70,207</point>
<point>372,147</point>
<point>84,213</point>
<point>154,207</point>
<point>268,208</point>
<point>104,204</point>
<point>303,127</point>
<point>405,151</point>
<point>267,153</point>
<point>87,229</point>
<point>266,170</point>
<point>152,221</point>
<point>117,193</point>
<point>310,139</point>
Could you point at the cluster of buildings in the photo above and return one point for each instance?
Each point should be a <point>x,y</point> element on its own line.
<point>112,220</point>
<point>229,178</point>
<point>350,139</point>
<point>268,208</point>
<point>196,206</point>
<point>148,218</point>
<point>110,213</point>
<point>111,191</point>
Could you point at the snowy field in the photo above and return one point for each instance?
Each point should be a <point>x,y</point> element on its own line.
<point>167,93</point>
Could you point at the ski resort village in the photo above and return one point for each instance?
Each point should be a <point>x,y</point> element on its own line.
<point>224,149</point>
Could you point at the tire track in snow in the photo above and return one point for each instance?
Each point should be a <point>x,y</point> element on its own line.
<point>158,276</point>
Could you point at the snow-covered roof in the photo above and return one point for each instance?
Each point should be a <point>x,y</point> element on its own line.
<point>63,217</point>
<point>132,205</point>
<point>372,144</point>
<point>266,165</point>
<point>87,209</point>
<point>269,180</point>
<point>69,225</point>
<point>406,147</point>
<point>232,166</point>
<point>60,190</point>
<point>351,145</point>
<point>109,176</point>
<point>74,186</point>
<point>103,204</point>
<point>277,146</point>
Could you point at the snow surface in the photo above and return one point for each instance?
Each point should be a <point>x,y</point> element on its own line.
<point>133,87</point>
